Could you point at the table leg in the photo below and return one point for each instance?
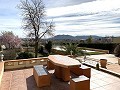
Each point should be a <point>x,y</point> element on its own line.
<point>65,74</point>
<point>76,70</point>
<point>58,72</point>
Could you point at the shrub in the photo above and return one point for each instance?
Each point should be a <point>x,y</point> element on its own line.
<point>9,54</point>
<point>48,46</point>
<point>25,55</point>
<point>72,48</point>
<point>117,51</point>
<point>43,51</point>
<point>104,46</point>
<point>40,50</point>
<point>0,48</point>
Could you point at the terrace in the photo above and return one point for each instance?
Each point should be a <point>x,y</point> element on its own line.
<point>112,63</point>
<point>18,74</point>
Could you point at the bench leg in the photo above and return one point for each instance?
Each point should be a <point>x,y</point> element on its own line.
<point>87,72</point>
<point>35,76</point>
<point>82,84</point>
<point>44,81</point>
<point>50,65</point>
<point>41,80</point>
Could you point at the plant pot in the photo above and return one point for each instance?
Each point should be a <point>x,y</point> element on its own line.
<point>103,63</point>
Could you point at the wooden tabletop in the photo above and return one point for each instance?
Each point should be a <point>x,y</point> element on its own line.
<point>63,61</point>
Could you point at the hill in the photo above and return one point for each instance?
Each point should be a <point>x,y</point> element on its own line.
<point>64,37</point>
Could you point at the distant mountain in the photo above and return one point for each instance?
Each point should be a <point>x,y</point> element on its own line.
<point>64,37</point>
<point>60,37</point>
<point>86,37</point>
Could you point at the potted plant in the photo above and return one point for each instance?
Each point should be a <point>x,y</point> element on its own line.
<point>97,65</point>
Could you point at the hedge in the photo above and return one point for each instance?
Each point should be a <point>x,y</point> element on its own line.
<point>104,46</point>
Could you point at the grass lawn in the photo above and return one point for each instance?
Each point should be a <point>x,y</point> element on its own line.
<point>95,53</point>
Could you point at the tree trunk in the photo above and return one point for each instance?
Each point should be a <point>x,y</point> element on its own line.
<point>36,47</point>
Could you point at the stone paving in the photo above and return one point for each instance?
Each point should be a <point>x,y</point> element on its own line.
<point>24,80</point>
<point>112,61</point>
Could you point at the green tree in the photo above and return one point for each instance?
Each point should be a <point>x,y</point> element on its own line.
<point>48,46</point>
<point>72,48</point>
<point>117,50</point>
<point>34,22</point>
<point>89,40</point>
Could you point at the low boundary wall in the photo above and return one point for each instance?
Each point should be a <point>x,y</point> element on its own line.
<point>1,71</point>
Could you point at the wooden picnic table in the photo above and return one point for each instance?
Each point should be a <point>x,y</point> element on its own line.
<point>62,65</point>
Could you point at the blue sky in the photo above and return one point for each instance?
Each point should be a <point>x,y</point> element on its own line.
<point>71,17</point>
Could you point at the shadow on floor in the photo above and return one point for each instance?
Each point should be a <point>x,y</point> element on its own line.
<point>56,84</point>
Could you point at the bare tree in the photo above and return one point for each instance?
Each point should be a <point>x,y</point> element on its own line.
<point>34,21</point>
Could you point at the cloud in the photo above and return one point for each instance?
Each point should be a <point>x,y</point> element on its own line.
<point>63,3</point>
<point>11,24</point>
<point>73,17</point>
<point>88,18</point>
<point>90,7</point>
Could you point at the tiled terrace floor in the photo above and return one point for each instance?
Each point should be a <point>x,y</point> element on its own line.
<point>114,67</point>
<point>112,61</point>
<point>24,80</point>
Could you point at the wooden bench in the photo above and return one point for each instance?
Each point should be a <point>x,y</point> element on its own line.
<point>80,83</point>
<point>86,71</point>
<point>41,76</point>
<point>81,70</point>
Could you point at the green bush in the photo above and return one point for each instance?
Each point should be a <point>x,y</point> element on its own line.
<point>104,46</point>
<point>43,51</point>
<point>40,49</point>
<point>9,54</point>
<point>48,46</point>
<point>117,50</point>
<point>72,48</point>
<point>25,55</point>
<point>0,48</point>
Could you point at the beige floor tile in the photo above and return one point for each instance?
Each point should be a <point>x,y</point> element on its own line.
<point>112,87</point>
<point>24,80</point>
<point>99,88</point>
<point>93,85</point>
<point>100,82</point>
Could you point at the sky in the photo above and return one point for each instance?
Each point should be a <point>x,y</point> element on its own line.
<point>71,17</point>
